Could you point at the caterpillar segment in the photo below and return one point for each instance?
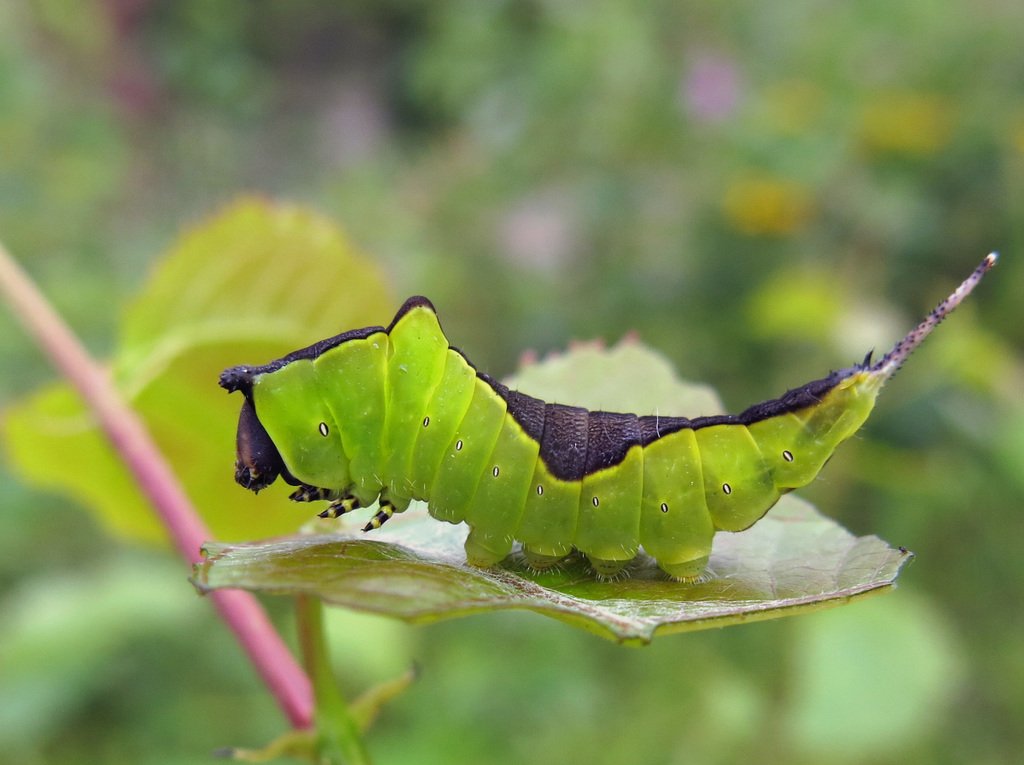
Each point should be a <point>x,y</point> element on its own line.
<point>393,414</point>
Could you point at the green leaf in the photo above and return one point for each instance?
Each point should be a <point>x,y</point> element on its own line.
<point>251,284</point>
<point>628,377</point>
<point>415,569</point>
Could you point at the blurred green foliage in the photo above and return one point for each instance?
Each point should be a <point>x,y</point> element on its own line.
<point>762,191</point>
<point>255,282</point>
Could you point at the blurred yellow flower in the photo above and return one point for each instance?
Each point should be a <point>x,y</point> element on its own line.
<point>765,205</point>
<point>906,123</point>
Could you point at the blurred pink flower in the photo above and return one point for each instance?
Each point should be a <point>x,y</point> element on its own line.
<point>539,232</point>
<point>710,91</point>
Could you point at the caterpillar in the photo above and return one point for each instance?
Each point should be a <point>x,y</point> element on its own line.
<point>392,414</point>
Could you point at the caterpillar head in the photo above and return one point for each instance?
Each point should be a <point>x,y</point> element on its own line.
<point>257,460</point>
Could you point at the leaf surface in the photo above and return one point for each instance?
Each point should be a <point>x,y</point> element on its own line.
<point>414,568</point>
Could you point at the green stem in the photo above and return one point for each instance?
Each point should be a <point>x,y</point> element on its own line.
<point>338,733</point>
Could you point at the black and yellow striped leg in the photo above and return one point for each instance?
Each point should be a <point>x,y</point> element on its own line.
<point>340,506</point>
<point>307,493</point>
<point>381,516</point>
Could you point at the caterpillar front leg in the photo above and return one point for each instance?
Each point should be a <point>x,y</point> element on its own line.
<point>388,505</point>
<point>341,502</point>
<point>381,516</point>
<point>307,493</point>
<point>341,506</point>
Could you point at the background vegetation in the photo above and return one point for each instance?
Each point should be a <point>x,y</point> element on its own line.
<point>761,191</point>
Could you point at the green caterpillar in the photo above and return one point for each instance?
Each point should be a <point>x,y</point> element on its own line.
<point>395,414</point>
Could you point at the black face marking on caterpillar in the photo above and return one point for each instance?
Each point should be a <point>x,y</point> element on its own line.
<point>376,385</point>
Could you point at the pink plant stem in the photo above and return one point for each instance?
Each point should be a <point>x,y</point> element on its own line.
<point>242,612</point>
